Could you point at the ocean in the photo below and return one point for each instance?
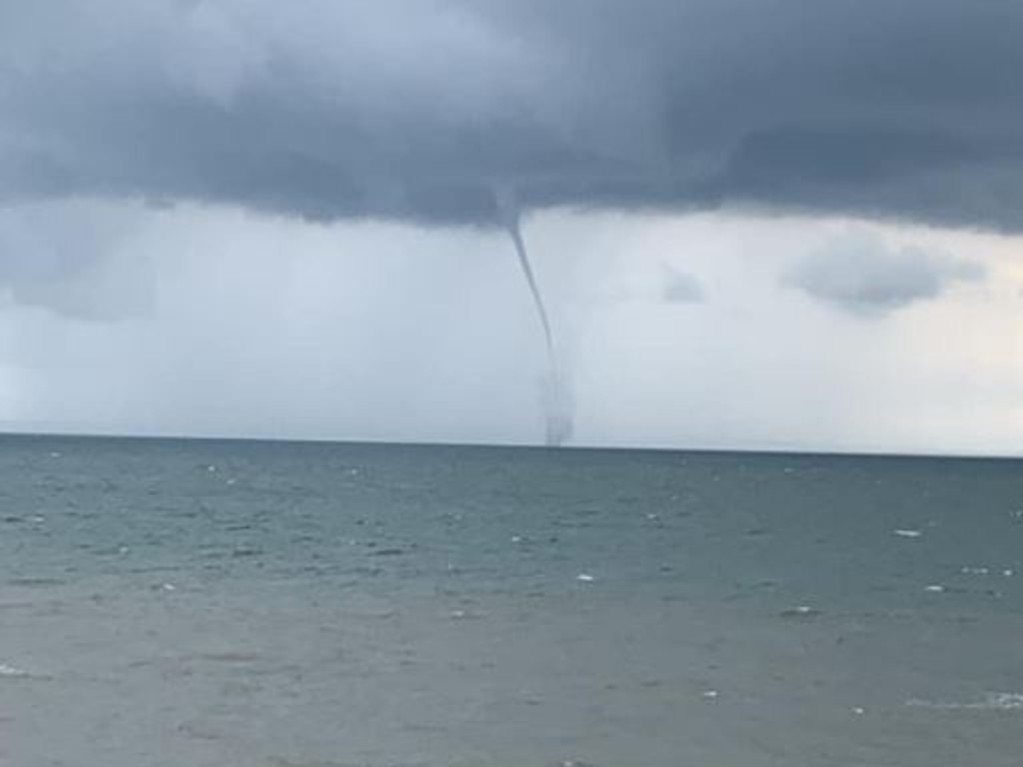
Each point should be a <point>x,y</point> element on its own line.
<point>187,603</point>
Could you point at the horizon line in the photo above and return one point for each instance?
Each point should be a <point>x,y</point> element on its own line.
<point>777,450</point>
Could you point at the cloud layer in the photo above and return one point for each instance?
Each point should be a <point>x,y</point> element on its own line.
<point>416,111</point>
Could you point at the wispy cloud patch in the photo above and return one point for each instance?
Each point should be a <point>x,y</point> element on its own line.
<point>862,275</point>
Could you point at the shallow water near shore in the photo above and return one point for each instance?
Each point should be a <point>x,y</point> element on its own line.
<point>177,603</point>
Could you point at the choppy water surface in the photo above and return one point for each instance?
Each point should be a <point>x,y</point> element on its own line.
<point>178,603</point>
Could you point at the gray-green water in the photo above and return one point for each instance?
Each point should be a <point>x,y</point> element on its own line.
<point>180,603</point>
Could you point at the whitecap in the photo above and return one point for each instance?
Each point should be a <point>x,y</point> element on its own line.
<point>992,701</point>
<point>12,672</point>
<point>975,571</point>
<point>907,533</point>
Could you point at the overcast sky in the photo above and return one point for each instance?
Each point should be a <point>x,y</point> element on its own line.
<point>757,223</point>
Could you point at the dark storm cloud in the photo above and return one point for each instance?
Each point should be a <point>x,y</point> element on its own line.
<point>416,110</point>
<point>862,275</point>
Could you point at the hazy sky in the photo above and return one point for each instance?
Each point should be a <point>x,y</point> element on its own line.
<point>758,223</point>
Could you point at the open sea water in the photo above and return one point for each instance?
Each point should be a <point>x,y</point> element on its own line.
<point>171,603</point>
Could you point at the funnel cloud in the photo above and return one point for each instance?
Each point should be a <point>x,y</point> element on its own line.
<point>557,406</point>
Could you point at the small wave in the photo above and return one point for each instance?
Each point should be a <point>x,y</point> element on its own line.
<point>993,701</point>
